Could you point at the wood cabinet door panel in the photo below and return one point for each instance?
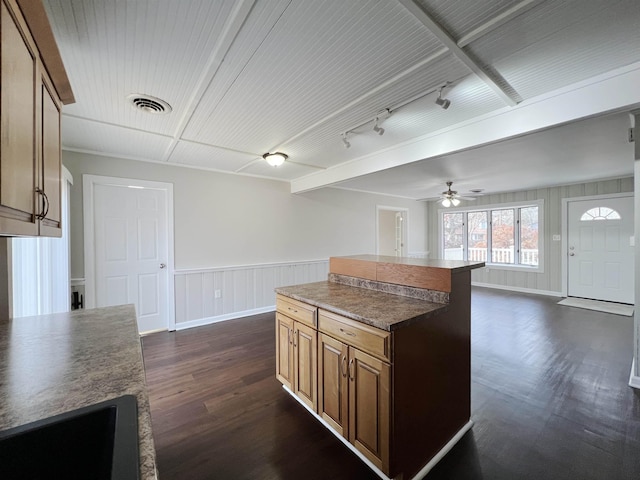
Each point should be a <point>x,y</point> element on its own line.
<point>284,350</point>
<point>369,407</point>
<point>333,398</point>
<point>51,164</point>
<point>18,126</point>
<point>305,346</point>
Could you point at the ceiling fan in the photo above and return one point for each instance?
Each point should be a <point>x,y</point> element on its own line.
<point>450,197</point>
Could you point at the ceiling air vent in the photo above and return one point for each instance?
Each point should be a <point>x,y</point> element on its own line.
<point>149,104</point>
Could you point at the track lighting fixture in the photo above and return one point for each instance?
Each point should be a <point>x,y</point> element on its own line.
<point>275,159</point>
<point>443,102</point>
<point>379,130</point>
<point>382,115</point>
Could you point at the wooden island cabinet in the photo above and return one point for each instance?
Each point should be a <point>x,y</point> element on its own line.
<point>384,364</point>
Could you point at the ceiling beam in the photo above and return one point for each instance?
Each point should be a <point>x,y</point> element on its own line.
<point>509,96</point>
<point>613,91</point>
<point>232,27</point>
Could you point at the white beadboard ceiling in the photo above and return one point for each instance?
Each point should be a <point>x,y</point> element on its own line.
<point>540,90</point>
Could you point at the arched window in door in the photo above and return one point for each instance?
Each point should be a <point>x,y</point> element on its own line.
<point>600,213</point>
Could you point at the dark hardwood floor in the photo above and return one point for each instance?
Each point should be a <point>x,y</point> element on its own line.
<point>550,400</point>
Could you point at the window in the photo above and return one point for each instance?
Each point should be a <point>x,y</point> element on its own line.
<point>453,238</point>
<point>504,236</point>
<point>600,213</point>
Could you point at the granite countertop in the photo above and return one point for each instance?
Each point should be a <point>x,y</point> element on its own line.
<point>379,309</point>
<point>52,364</point>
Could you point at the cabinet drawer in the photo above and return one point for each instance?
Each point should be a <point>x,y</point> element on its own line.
<point>300,311</point>
<point>368,339</point>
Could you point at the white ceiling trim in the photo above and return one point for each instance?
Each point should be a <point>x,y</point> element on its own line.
<point>496,22</point>
<point>442,35</point>
<point>235,21</point>
<point>614,91</point>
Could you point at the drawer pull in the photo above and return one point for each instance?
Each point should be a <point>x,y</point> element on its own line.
<point>346,332</point>
<point>292,310</point>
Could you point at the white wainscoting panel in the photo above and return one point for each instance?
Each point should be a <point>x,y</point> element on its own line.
<point>242,290</point>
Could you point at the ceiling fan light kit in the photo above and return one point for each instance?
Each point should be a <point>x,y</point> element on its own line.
<point>449,197</point>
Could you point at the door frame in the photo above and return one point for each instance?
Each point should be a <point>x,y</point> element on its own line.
<point>89,183</point>
<point>565,230</point>
<point>405,226</point>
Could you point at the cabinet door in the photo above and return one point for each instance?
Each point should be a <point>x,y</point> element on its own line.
<point>333,399</point>
<point>369,407</point>
<point>284,350</point>
<point>305,348</point>
<point>50,168</point>
<point>19,72</point>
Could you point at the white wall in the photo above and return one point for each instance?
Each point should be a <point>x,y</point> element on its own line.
<point>224,220</point>
<point>550,281</point>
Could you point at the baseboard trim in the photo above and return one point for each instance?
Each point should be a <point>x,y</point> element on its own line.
<point>535,291</point>
<point>201,322</point>
<point>420,475</point>
<point>149,332</point>
<point>634,381</point>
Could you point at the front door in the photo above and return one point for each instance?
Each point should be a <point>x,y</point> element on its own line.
<point>131,251</point>
<point>600,249</point>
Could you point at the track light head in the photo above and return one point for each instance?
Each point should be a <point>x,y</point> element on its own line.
<point>345,142</point>
<point>379,130</point>
<point>442,102</point>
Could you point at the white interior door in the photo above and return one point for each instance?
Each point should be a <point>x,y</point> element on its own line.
<point>601,249</point>
<point>131,251</point>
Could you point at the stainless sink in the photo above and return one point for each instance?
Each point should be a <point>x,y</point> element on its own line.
<point>99,442</point>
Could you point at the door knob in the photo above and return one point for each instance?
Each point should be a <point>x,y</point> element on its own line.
<point>572,254</point>
<point>162,265</point>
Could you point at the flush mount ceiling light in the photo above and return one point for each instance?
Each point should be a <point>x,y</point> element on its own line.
<point>443,102</point>
<point>149,104</point>
<point>275,159</point>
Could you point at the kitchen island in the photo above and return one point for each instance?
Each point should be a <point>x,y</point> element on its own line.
<point>380,353</point>
<point>51,364</point>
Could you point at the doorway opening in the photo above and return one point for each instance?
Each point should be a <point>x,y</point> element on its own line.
<point>391,231</point>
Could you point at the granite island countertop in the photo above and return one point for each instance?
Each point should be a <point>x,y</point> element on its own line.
<point>51,364</point>
<point>372,307</point>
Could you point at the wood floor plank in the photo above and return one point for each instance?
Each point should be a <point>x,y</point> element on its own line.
<point>549,401</point>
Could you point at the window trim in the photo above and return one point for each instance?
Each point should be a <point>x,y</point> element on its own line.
<point>499,206</point>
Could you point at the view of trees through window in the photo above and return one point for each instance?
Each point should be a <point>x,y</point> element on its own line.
<point>501,236</point>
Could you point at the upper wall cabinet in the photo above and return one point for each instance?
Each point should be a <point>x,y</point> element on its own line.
<point>33,81</point>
